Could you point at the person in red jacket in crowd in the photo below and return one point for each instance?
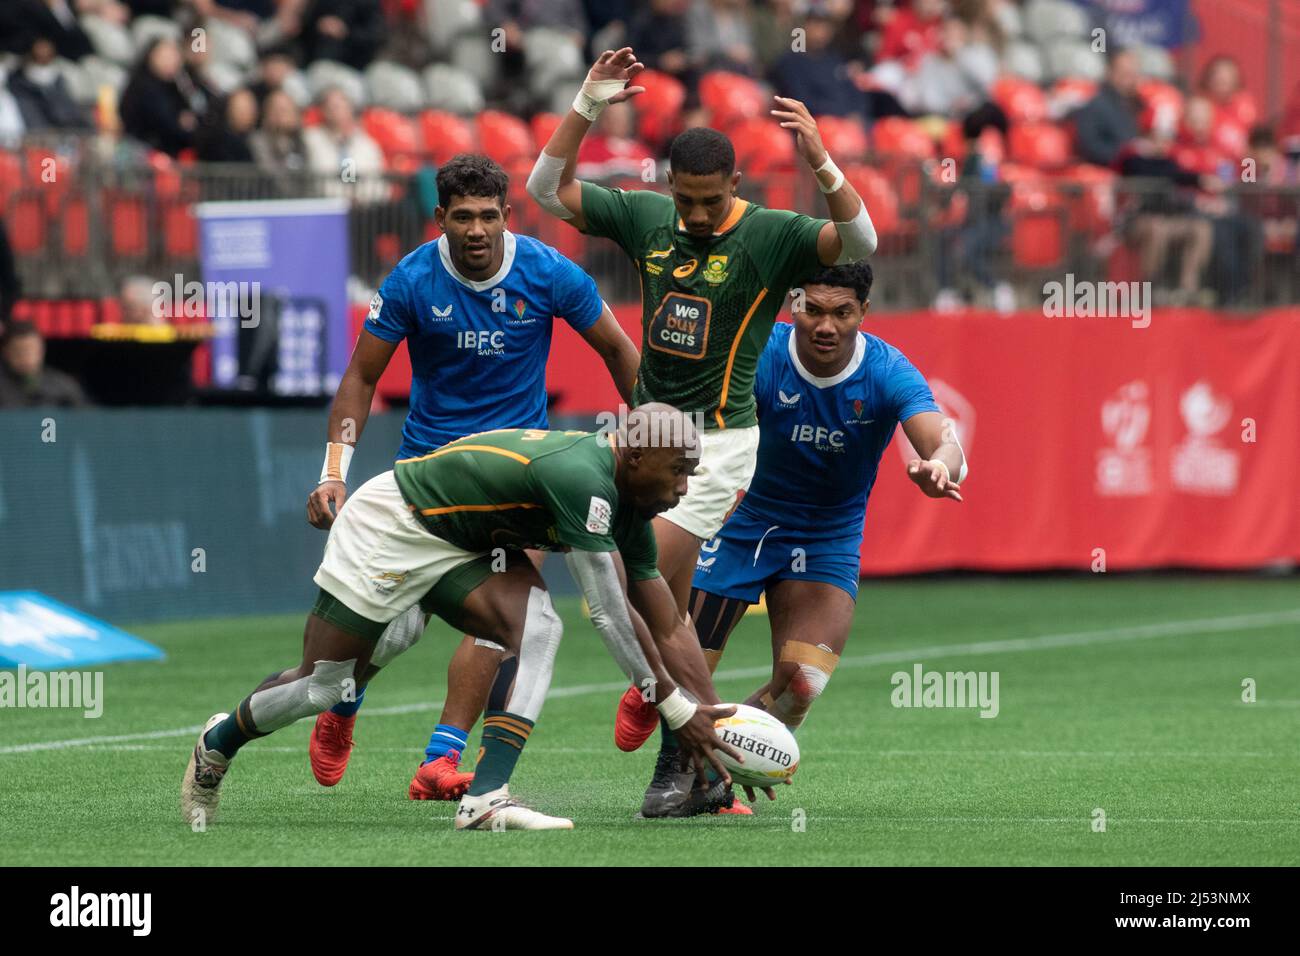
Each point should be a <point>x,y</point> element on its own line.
<point>1235,111</point>
<point>910,33</point>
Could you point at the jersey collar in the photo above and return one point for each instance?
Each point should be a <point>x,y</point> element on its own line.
<point>478,285</point>
<point>859,351</point>
<point>737,211</point>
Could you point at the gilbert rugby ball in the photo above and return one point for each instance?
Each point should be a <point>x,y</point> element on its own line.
<point>771,754</point>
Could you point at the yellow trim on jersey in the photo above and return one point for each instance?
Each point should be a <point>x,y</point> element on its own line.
<point>737,210</point>
<point>453,508</point>
<point>491,449</point>
<point>731,358</point>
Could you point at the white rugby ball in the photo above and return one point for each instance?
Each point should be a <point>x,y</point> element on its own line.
<point>771,754</point>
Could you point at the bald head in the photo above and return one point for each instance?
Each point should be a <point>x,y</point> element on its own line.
<point>658,447</point>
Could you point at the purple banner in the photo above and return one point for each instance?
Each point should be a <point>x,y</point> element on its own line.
<point>1142,22</point>
<point>275,288</point>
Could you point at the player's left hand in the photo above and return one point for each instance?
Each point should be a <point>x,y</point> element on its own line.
<point>795,116</point>
<point>771,792</point>
<point>932,478</point>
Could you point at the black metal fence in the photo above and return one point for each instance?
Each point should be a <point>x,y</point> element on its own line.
<point>80,222</point>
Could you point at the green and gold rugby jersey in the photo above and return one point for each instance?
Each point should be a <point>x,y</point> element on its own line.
<point>528,488</point>
<point>707,304</point>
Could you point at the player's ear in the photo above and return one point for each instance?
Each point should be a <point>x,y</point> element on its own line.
<point>505,213</point>
<point>735,181</point>
<point>440,217</point>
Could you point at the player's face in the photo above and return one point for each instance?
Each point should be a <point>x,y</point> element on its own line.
<point>475,227</point>
<point>657,479</point>
<point>826,326</point>
<point>703,201</point>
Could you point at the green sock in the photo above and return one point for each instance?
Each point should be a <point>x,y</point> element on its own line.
<point>504,736</point>
<point>667,739</point>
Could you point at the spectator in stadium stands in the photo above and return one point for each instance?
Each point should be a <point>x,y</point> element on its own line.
<point>774,23</point>
<point>42,95</point>
<point>954,79</point>
<point>273,69</point>
<point>137,300</point>
<point>908,34</point>
<point>1276,208</point>
<point>25,382</point>
<point>11,117</point>
<point>153,108</point>
<point>54,20</point>
<point>278,146</point>
<point>346,31</point>
<point>1235,112</point>
<point>612,150</point>
<point>721,36</point>
<point>244,14</point>
<point>10,287</point>
<point>1165,217</point>
<point>1109,121</point>
<point>193,79</point>
<point>818,76</point>
<point>657,32</point>
<point>224,136</point>
<point>339,151</point>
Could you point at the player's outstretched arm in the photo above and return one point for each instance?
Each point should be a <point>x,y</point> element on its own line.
<point>935,440</point>
<point>552,183</point>
<point>850,235</point>
<point>632,642</point>
<point>348,415</point>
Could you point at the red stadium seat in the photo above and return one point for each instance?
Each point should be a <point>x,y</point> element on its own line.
<point>1037,240</point>
<point>180,230</point>
<point>1092,204</point>
<point>659,107</point>
<point>731,98</point>
<point>505,137</point>
<point>394,133</point>
<point>844,138</point>
<point>1164,104</point>
<point>1069,93</point>
<point>1022,101</point>
<point>543,125</point>
<point>74,223</point>
<point>11,177</point>
<point>130,219</point>
<point>1042,145</point>
<point>762,146</point>
<point>873,186</point>
<point>26,223</point>
<point>446,135</point>
<point>896,136</point>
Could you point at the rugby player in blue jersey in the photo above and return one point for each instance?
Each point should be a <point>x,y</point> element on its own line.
<point>475,308</point>
<point>829,397</point>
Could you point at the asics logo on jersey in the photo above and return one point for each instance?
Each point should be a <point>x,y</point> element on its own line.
<point>817,435</point>
<point>788,399</point>
<point>685,269</point>
<point>443,314</point>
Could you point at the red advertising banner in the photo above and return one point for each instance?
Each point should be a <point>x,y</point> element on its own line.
<point>1088,439</point>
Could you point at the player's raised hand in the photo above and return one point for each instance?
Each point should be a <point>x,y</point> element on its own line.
<point>793,115</point>
<point>699,740</point>
<point>933,480</point>
<point>319,501</point>
<point>619,66</point>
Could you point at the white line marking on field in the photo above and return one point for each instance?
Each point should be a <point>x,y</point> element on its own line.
<point>1205,625</point>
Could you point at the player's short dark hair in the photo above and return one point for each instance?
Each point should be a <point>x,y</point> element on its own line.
<point>701,151</point>
<point>17,329</point>
<point>471,174</point>
<point>853,275</point>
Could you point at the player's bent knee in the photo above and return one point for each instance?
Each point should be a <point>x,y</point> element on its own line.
<point>802,673</point>
<point>400,636</point>
<point>327,684</point>
<point>330,683</point>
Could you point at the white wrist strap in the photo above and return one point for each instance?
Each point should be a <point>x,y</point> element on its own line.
<point>946,473</point>
<point>829,167</point>
<point>676,709</point>
<point>594,97</point>
<point>338,456</point>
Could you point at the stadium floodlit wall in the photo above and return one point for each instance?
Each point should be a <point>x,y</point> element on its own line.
<point>104,510</point>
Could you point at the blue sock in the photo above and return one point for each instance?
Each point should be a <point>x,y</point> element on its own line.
<point>347,708</point>
<point>444,739</point>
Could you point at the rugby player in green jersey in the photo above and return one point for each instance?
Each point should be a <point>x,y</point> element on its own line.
<point>715,271</point>
<point>450,529</point>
